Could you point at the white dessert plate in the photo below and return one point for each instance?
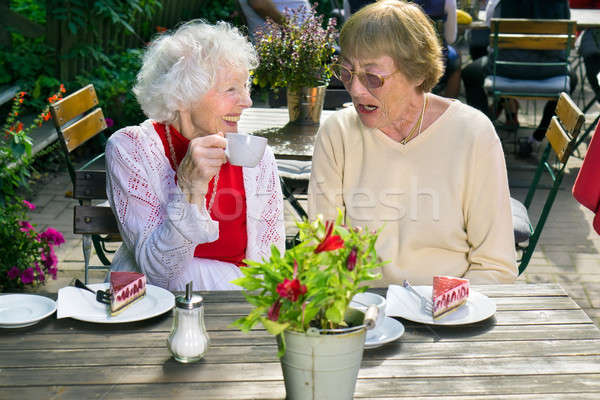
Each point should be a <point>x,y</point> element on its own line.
<point>389,331</point>
<point>404,304</point>
<point>21,310</point>
<point>157,301</point>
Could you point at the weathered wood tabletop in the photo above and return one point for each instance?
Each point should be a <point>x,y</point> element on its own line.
<point>287,140</point>
<point>539,345</point>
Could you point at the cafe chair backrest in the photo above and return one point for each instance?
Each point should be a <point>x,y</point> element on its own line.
<point>519,70</point>
<point>77,119</point>
<point>562,137</point>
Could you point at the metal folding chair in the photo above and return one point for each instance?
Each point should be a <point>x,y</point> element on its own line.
<point>562,139</point>
<point>531,35</point>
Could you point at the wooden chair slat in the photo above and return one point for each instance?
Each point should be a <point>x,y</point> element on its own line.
<point>533,26</point>
<point>94,220</point>
<point>559,139</point>
<point>74,105</point>
<point>84,129</point>
<point>570,116</point>
<point>90,185</point>
<point>532,42</point>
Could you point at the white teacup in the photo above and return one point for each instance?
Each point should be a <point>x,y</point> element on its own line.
<point>362,301</point>
<point>244,150</point>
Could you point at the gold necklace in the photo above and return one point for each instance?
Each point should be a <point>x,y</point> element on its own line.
<point>174,159</point>
<point>419,123</point>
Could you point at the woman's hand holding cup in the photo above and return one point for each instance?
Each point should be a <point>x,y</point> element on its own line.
<point>201,163</point>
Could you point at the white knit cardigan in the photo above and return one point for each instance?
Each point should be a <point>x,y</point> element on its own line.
<point>160,229</point>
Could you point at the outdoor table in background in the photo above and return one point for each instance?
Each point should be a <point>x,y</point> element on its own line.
<point>586,18</point>
<point>539,345</point>
<point>286,140</point>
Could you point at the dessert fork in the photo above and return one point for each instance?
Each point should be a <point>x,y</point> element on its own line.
<point>101,295</point>
<point>426,303</point>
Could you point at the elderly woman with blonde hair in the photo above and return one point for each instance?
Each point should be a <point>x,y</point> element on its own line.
<point>184,212</point>
<point>427,170</point>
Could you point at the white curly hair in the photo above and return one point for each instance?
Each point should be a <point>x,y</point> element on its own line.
<point>179,67</point>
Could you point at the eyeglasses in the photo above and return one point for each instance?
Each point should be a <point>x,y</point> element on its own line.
<point>369,80</point>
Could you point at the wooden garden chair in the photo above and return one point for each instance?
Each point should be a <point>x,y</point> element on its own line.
<point>529,34</point>
<point>78,119</point>
<point>562,136</point>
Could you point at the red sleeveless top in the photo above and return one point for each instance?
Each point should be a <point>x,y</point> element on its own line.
<point>229,208</point>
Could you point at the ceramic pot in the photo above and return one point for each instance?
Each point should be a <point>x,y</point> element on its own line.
<point>305,105</point>
<point>322,366</point>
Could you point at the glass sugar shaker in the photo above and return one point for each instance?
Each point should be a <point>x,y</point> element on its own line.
<point>188,340</point>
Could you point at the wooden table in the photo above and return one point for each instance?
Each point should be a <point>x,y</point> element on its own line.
<point>288,141</point>
<point>586,18</point>
<point>539,345</point>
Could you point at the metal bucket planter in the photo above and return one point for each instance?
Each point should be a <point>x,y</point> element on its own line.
<point>305,105</point>
<point>323,366</point>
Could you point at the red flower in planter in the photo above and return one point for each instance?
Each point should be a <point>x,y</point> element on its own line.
<point>273,313</point>
<point>291,289</point>
<point>351,260</point>
<point>330,242</point>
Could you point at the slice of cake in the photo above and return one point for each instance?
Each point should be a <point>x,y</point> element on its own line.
<point>448,294</point>
<point>125,288</point>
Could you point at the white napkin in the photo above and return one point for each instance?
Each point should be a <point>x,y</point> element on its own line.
<point>73,302</point>
<point>402,303</point>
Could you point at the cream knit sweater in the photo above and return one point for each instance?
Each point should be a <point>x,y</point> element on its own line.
<point>442,200</point>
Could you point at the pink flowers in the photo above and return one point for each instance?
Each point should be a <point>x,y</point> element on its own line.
<point>29,205</point>
<point>53,236</point>
<point>27,276</point>
<point>25,226</point>
<point>330,242</point>
<point>49,259</point>
<point>13,273</point>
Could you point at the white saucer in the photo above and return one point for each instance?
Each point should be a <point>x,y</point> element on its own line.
<point>389,330</point>
<point>21,310</point>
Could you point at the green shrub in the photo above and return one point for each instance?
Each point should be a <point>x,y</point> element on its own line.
<point>113,85</point>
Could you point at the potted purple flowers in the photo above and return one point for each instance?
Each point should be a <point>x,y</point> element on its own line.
<point>297,55</point>
<point>303,298</point>
<point>27,258</point>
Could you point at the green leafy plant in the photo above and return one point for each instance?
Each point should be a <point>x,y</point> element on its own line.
<point>312,284</point>
<point>15,146</point>
<point>113,85</point>
<point>297,53</point>
<point>27,257</point>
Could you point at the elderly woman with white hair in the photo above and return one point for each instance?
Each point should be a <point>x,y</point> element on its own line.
<point>184,212</point>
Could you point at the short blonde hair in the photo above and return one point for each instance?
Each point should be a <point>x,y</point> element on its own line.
<point>179,67</point>
<point>400,30</point>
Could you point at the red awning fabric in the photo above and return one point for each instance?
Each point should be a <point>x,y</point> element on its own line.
<point>586,189</point>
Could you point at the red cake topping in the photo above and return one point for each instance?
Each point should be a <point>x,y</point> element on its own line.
<point>125,287</point>
<point>448,294</point>
<point>119,280</point>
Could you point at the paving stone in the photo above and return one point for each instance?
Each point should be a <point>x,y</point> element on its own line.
<point>559,258</point>
<point>584,303</point>
<point>588,265</point>
<point>42,200</point>
<point>540,278</point>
